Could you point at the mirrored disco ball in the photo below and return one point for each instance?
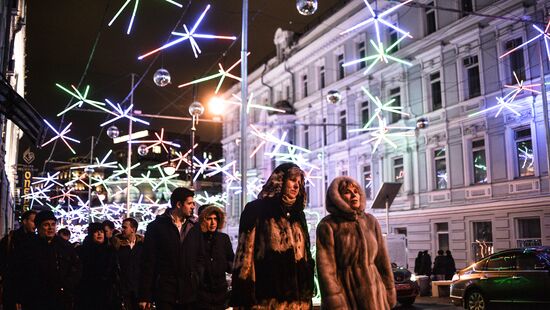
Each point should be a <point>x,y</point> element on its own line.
<point>142,150</point>
<point>113,132</point>
<point>306,7</point>
<point>334,97</point>
<point>161,77</point>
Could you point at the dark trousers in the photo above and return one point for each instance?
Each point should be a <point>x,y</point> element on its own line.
<point>170,306</point>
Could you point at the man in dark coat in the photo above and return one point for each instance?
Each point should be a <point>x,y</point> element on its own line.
<point>167,275</point>
<point>216,258</point>
<point>8,246</point>
<point>440,266</point>
<point>48,269</point>
<point>130,248</point>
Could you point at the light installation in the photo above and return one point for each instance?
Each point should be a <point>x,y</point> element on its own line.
<point>62,135</point>
<point>158,142</point>
<point>47,180</point>
<point>382,55</point>
<point>379,20</point>
<point>526,155</point>
<point>189,35</point>
<point>136,5</point>
<point>251,105</point>
<point>545,34</point>
<point>222,74</point>
<point>81,99</point>
<point>383,133</point>
<point>381,107</point>
<point>121,113</point>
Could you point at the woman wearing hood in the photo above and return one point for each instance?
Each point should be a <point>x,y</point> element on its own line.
<point>273,266</point>
<point>352,260</point>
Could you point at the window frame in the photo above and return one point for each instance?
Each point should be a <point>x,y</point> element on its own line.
<point>340,70</point>
<point>392,95</point>
<point>466,89</point>
<point>426,21</point>
<point>343,132</point>
<point>431,81</point>
<point>435,159</point>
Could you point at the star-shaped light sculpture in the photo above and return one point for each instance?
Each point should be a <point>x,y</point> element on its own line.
<point>178,159</point>
<point>119,113</point>
<point>381,107</point>
<point>520,87</point>
<point>382,55</point>
<point>190,35</point>
<point>81,99</point>
<point>308,175</point>
<point>47,180</point>
<point>38,194</point>
<point>99,163</point>
<point>136,4</point>
<point>61,135</point>
<point>165,180</point>
<point>65,196</point>
<point>159,141</point>
<point>382,133</point>
<point>222,74</point>
<point>378,19</point>
<point>527,156</point>
<point>230,174</point>
<point>219,200</point>
<point>251,105</point>
<point>545,34</point>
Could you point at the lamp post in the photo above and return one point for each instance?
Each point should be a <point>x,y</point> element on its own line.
<point>196,110</point>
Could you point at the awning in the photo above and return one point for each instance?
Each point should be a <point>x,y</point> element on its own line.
<point>21,113</point>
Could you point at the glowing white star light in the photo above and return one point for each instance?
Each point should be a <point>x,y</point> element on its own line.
<point>159,141</point>
<point>222,74</point>
<point>382,133</point>
<point>380,107</point>
<point>382,55</point>
<point>136,4</point>
<point>61,135</point>
<point>545,34</point>
<point>82,98</point>
<point>121,113</point>
<point>190,35</point>
<point>47,180</point>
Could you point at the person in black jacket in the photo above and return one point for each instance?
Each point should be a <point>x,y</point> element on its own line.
<point>440,266</point>
<point>130,248</point>
<point>451,266</point>
<point>99,287</point>
<point>48,269</point>
<point>418,264</point>
<point>216,258</point>
<point>9,244</point>
<point>168,272</point>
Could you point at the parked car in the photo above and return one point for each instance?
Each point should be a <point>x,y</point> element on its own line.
<point>407,290</point>
<point>515,275</point>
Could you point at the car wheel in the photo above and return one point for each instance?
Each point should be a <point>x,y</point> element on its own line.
<point>407,301</point>
<point>476,301</point>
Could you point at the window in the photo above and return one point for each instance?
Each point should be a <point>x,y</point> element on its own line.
<point>502,262</point>
<point>367,181</point>
<point>442,230</point>
<point>478,161</point>
<point>304,85</point>
<point>440,162</point>
<point>306,136</point>
<point>524,152</point>
<point>362,53</point>
<point>340,65</point>
<point>431,23</point>
<point>322,77</point>
<point>395,94</point>
<point>528,232</point>
<point>398,170</point>
<point>435,88</point>
<point>482,244</point>
<point>473,83</point>
<point>467,7</point>
<point>517,62</point>
<point>364,113</point>
<point>343,125</point>
<point>393,36</point>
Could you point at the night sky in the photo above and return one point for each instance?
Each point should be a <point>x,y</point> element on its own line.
<point>61,36</point>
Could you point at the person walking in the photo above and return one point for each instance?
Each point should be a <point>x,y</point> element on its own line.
<point>216,259</point>
<point>48,269</point>
<point>99,286</point>
<point>129,256</point>
<point>352,259</point>
<point>168,273</point>
<point>8,246</point>
<point>273,265</point>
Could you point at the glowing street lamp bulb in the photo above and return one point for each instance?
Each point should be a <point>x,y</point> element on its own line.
<point>170,169</point>
<point>143,150</point>
<point>161,77</point>
<point>306,7</point>
<point>113,132</point>
<point>216,106</point>
<point>196,109</point>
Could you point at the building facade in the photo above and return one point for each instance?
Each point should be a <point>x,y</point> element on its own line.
<point>474,181</point>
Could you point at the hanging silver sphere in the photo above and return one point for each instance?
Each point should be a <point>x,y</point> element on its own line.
<point>142,150</point>
<point>161,77</point>
<point>422,123</point>
<point>306,7</point>
<point>113,132</point>
<point>196,109</point>
<point>334,97</point>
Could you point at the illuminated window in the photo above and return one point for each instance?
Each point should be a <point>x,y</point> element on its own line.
<point>479,162</point>
<point>157,149</point>
<point>440,162</point>
<point>398,170</point>
<point>482,244</point>
<point>524,153</point>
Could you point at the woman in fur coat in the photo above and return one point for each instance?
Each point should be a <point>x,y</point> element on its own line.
<point>273,266</point>
<point>352,260</point>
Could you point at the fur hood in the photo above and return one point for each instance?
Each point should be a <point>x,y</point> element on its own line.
<point>336,204</point>
<point>209,211</point>
<point>274,186</point>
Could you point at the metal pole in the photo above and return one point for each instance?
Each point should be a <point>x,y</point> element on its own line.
<point>544,106</point>
<point>193,129</point>
<point>387,218</point>
<point>129,157</point>
<point>323,149</point>
<point>244,100</point>
<point>90,179</point>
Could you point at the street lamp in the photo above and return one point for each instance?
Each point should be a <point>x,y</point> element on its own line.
<point>195,110</point>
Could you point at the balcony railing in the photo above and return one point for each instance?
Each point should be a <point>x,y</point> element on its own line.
<point>523,243</point>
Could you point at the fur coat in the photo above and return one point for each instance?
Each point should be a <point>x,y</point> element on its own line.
<point>352,259</point>
<point>273,266</point>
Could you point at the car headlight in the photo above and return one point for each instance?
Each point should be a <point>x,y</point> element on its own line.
<point>456,277</point>
<point>413,277</point>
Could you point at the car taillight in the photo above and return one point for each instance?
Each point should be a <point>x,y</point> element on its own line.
<point>456,277</point>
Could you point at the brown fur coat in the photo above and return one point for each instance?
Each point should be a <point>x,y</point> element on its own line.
<point>352,259</point>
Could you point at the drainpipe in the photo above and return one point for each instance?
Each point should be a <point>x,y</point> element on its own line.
<point>292,80</point>
<point>266,85</point>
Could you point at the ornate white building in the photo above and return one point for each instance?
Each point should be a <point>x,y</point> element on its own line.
<point>472,182</point>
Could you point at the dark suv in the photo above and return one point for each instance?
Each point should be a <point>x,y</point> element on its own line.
<point>516,275</point>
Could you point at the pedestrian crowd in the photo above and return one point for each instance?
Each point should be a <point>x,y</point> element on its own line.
<point>443,266</point>
<point>182,260</point>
